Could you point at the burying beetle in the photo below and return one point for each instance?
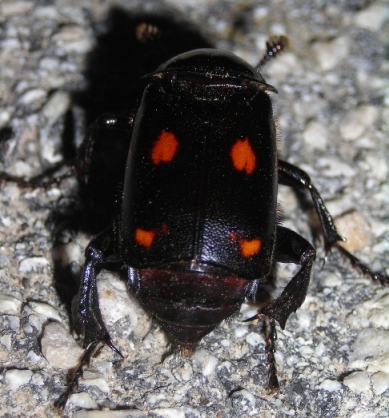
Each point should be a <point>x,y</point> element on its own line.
<point>196,228</point>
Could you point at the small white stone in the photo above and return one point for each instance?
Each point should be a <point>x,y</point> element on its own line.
<point>329,54</point>
<point>109,414</point>
<point>333,279</point>
<point>372,17</point>
<point>169,412</point>
<point>183,374</point>
<point>45,309</point>
<point>208,362</point>
<point>306,351</point>
<point>83,400</point>
<point>378,165</point>
<point>254,339</point>
<point>9,305</point>
<point>330,385</point>
<point>56,106</point>
<point>357,381</point>
<point>240,331</point>
<point>355,122</point>
<point>31,96</point>
<point>33,264</point>
<point>370,343</point>
<point>6,341</point>
<point>16,378</point>
<point>316,135</point>
<point>73,39</point>
<point>380,382</point>
<point>246,395</point>
<point>15,8</point>
<point>59,347</point>
<point>91,378</point>
<point>38,379</point>
<point>355,227</point>
<point>115,300</point>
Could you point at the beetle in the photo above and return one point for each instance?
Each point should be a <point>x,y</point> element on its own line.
<point>196,229</point>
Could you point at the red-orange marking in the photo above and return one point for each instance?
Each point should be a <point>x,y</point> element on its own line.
<point>243,157</point>
<point>164,148</point>
<point>144,237</point>
<point>248,248</point>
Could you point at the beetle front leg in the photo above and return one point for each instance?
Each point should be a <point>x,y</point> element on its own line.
<point>293,176</point>
<point>290,248</point>
<point>88,314</point>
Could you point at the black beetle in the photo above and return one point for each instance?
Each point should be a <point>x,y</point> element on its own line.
<point>196,227</point>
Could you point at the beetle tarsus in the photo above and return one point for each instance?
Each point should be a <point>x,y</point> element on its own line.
<point>77,374</point>
<point>44,180</point>
<point>356,263</point>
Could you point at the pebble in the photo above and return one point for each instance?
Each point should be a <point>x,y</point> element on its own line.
<point>59,347</point>
<point>33,96</point>
<point>378,166</point>
<point>330,385</point>
<point>246,396</point>
<point>183,374</point>
<point>355,227</point>
<point>370,342</point>
<point>241,331</point>
<point>377,312</point>
<point>329,54</point>
<point>373,17</point>
<point>72,39</point>
<point>83,400</point>
<point>9,305</point>
<point>109,414</point>
<point>315,135</point>
<point>15,8</point>
<point>176,412</point>
<point>254,339</point>
<point>380,382</point>
<point>115,301</point>
<point>33,264</point>
<point>45,309</point>
<point>355,122</point>
<point>6,341</point>
<point>56,106</point>
<point>92,378</point>
<point>357,381</point>
<point>16,378</point>
<point>208,362</point>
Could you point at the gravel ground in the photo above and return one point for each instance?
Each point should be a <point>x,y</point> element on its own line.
<point>333,113</point>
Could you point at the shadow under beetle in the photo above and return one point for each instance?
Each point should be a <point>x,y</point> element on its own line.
<point>196,227</point>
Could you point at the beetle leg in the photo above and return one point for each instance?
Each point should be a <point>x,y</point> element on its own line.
<point>105,147</point>
<point>290,248</point>
<point>44,180</point>
<point>293,176</point>
<point>88,313</point>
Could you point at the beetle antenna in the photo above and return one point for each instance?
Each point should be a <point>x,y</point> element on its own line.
<point>274,46</point>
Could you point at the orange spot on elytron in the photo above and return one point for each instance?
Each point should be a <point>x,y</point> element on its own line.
<point>243,157</point>
<point>144,237</point>
<point>164,148</point>
<point>248,248</point>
